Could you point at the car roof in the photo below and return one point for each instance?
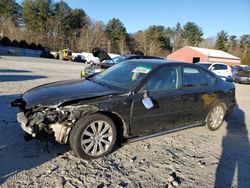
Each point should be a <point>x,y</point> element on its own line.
<point>204,62</point>
<point>158,62</point>
<point>142,56</point>
<point>212,63</point>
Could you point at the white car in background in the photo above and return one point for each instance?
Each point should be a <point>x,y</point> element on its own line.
<point>89,58</point>
<point>221,69</point>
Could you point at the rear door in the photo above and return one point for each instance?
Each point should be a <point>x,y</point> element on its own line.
<point>164,89</point>
<point>199,95</point>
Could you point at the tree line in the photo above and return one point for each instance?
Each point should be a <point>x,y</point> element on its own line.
<point>56,25</point>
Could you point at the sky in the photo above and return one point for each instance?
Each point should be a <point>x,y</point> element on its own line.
<point>212,16</point>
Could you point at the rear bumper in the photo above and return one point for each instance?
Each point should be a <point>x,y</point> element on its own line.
<point>22,120</point>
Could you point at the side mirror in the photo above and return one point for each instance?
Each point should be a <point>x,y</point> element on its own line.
<point>227,79</point>
<point>212,68</point>
<point>147,102</point>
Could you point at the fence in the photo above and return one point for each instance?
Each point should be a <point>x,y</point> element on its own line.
<point>6,50</point>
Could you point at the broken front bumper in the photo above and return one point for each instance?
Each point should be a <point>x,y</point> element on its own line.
<point>22,120</point>
<point>61,131</point>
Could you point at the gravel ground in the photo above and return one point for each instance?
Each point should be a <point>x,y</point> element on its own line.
<point>191,158</point>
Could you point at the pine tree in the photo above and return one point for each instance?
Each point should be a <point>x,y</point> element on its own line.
<point>245,43</point>
<point>221,41</point>
<point>10,13</point>
<point>192,34</point>
<point>116,33</point>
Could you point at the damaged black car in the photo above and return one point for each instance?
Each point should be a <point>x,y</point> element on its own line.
<point>132,100</point>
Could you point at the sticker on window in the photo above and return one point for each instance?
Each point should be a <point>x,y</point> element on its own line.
<point>190,70</point>
<point>142,69</point>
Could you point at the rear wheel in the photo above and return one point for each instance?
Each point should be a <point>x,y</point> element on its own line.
<point>215,117</point>
<point>93,137</point>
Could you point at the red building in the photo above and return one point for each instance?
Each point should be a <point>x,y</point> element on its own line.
<point>194,54</point>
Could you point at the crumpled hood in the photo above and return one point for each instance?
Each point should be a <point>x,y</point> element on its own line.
<point>56,93</point>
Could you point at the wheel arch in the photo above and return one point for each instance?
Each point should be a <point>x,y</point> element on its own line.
<point>119,121</point>
<point>121,125</point>
<point>213,105</point>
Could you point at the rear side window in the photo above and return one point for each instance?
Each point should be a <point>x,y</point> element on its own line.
<point>209,78</point>
<point>219,67</point>
<point>192,77</point>
<point>205,65</point>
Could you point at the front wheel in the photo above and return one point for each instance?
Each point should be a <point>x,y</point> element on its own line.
<point>215,117</point>
<point>93,137</point>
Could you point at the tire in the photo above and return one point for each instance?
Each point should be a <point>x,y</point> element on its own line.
<point>215,117</point>
<point>87,145</point>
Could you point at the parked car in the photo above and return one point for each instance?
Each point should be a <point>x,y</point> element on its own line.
<point>90,59</point>
<point>65,54</point>
<point>78,58</point>
<point>130,101</point>
<point>220,69</point>
<point>242,75</point>
<point>108,62</point>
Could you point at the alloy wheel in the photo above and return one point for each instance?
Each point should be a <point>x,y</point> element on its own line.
<point>97,138</point>
<point>216,116</point>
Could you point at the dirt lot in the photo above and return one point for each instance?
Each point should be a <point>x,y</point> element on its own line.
<point>190,158</point>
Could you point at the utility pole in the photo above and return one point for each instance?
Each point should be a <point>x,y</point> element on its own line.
<point>109,46</point>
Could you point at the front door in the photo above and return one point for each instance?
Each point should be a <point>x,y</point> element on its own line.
<point>164,90</point>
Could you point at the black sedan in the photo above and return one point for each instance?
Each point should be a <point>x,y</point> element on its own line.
<point>132,100</point>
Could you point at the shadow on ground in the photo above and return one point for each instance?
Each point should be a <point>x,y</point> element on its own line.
<point>16,78</point>
<point>235,153</point>
<point>13,71</point>
<point>15,153</point>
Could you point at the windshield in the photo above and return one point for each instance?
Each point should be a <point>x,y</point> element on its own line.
<point>123,75</point>
<point>117,59</point>
<point>205,65</point>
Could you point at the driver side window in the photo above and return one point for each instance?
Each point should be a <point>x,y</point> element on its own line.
<point>165,79</point>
